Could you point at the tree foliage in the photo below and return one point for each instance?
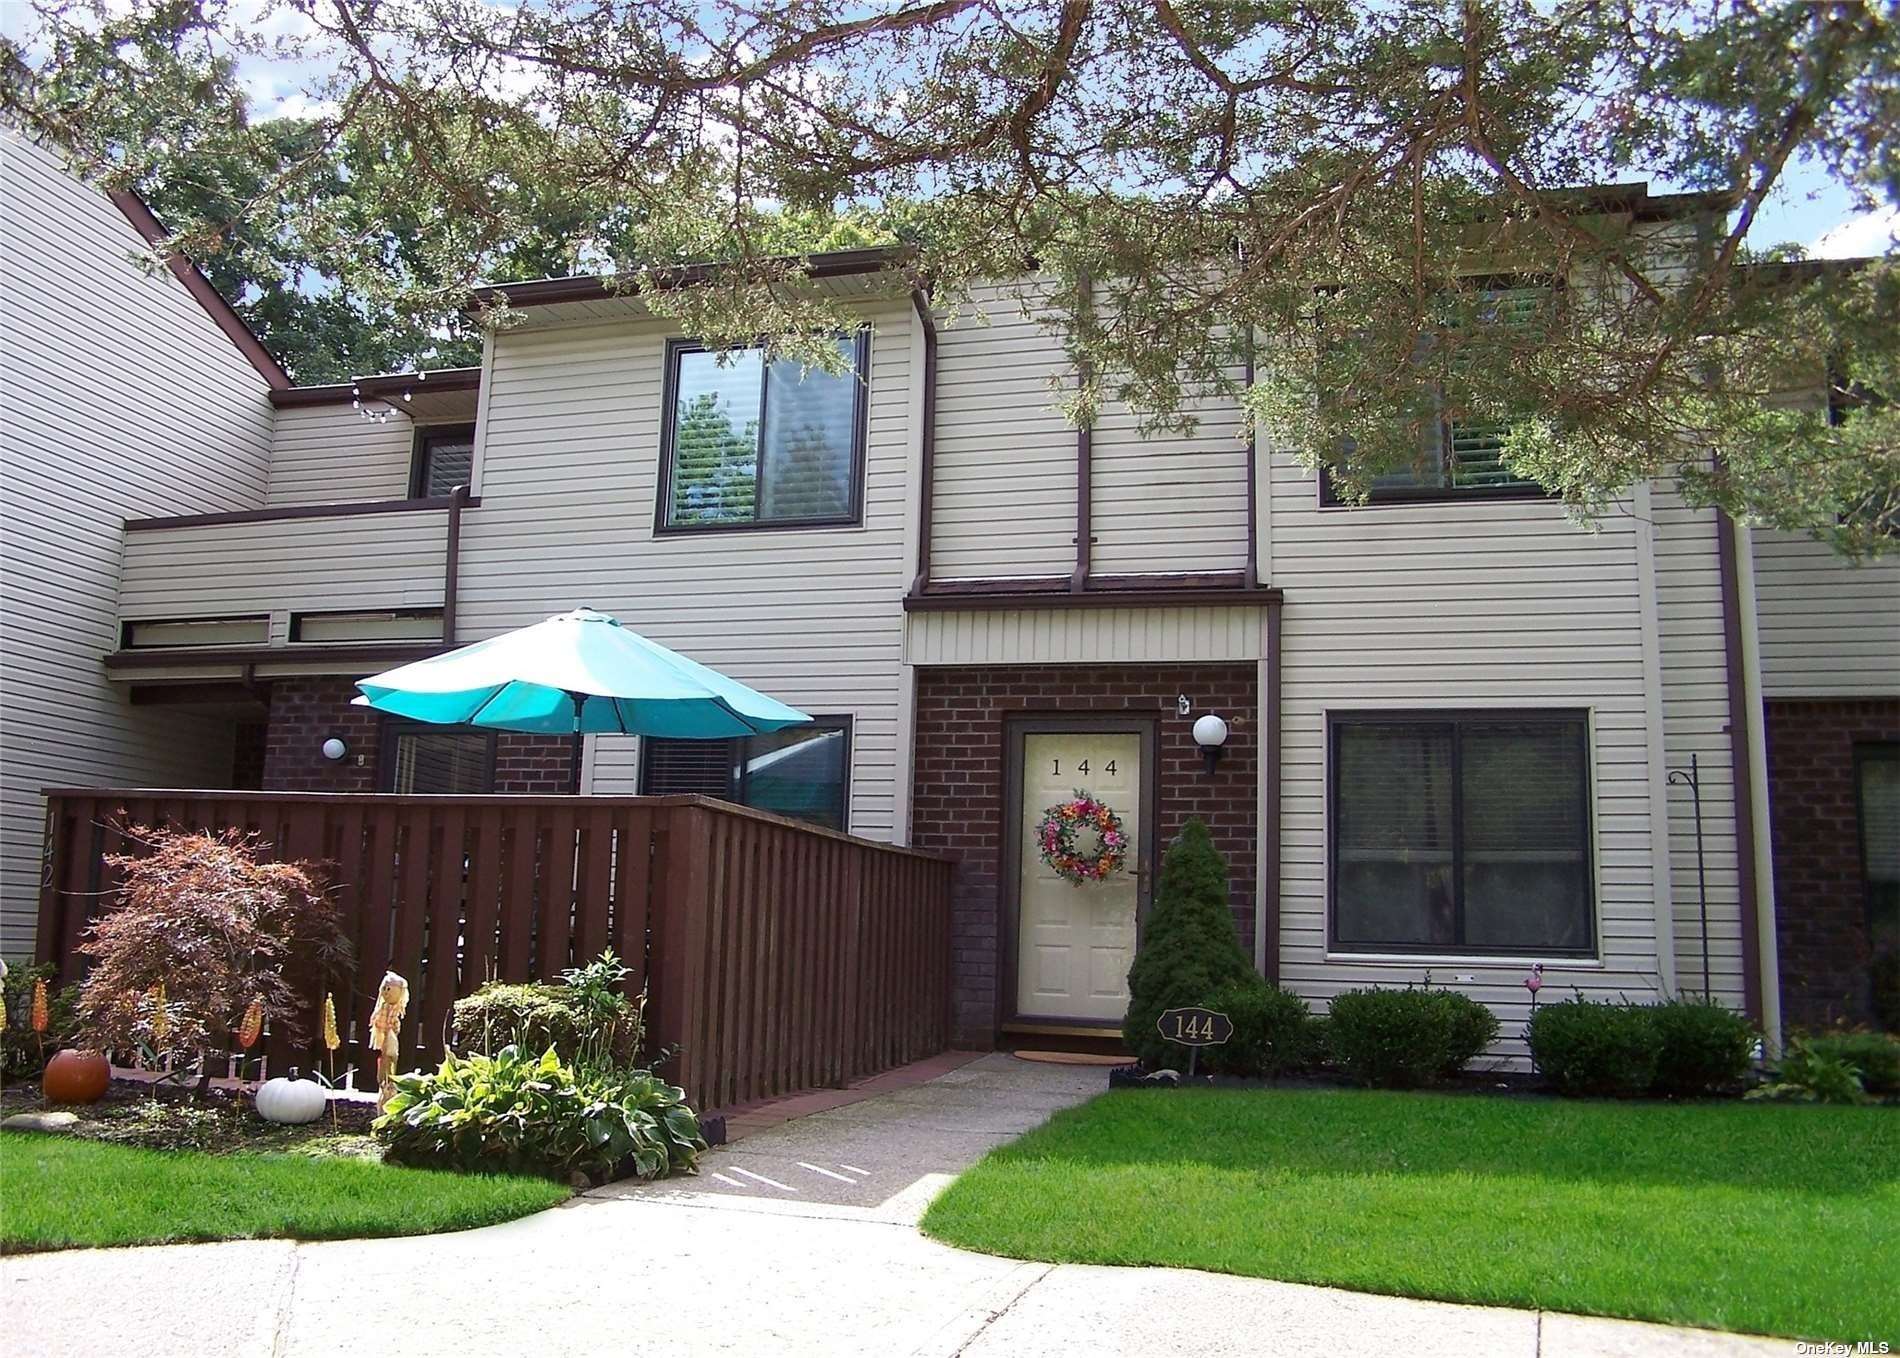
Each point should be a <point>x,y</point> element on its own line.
<point>1315,186</point>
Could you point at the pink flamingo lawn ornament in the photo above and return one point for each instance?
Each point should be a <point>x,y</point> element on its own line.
<point>1534,983</point>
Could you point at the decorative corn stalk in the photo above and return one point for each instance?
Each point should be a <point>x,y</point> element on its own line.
<point>41,1015</point>
<point>331,1042</point>
<point>252,1026</point>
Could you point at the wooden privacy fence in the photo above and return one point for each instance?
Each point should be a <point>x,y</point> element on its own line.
<point>777,956</point>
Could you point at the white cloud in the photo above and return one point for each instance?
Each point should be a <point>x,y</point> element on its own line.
<point>1867,233</point>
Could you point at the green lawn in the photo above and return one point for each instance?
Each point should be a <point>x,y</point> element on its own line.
<point>1776,1219</point>
<point>61,1193</point>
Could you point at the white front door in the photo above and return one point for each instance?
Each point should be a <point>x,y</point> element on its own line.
<point>1074,942</point>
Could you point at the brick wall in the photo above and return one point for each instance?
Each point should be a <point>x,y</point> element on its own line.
<point>306,712</point>
<point>1820,900</point>
<point>958,796</point>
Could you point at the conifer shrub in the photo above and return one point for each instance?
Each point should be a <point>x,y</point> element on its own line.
<point>1188,948</point>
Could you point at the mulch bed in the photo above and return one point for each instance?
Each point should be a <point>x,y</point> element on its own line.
<point>219,1120</point>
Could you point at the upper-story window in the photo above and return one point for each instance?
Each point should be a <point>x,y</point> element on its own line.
<point>444,459</point>
<point>750,443</point>
<point>1464,459</point>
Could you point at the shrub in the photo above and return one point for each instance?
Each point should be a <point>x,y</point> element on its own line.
<point>513,1112</point>
<point>206,919</point>
<point>1188,947</point>
<point>1811,1076</point>
<point>1591,1049</point>
<point>1702,1047</point>
<point>23,1052</point>
<point>1874,1056</point>
<point>1401,1039</point>
<point>584,1017</point>
<point>1272,1029</point>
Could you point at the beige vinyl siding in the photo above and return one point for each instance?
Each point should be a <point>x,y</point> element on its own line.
<point>1169,501</point>
<point>1462,605</point>
<point>1004,489</point>
<point>1055,636</point>
<point>355,563</point>
<point>330,454</point>
<point>1829,628</point>
<point>812,616</point>
<point>1695,721</point>
<point>119,397</point>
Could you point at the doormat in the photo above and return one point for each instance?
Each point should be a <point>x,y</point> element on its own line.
<point>1073,1058</point>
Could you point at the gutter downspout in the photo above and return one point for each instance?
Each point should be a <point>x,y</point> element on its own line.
<point>452,562</point>
<point>1084,468</point>
<point>928,437</point>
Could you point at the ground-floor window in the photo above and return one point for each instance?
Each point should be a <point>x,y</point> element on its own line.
<point>803,772</point>
<point>1464,832</point>
<point>439,759</point>
<point>1877,795</point>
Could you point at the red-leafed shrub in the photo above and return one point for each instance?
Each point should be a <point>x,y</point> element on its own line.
<point>202,926</point>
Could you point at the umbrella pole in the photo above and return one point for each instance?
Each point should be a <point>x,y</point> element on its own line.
<point>574,756</point>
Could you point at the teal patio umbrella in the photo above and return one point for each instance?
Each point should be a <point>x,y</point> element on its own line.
<point>576,673</point>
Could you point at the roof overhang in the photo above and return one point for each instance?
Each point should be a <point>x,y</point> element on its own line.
<point>599,288</point>
<point>379,387</point>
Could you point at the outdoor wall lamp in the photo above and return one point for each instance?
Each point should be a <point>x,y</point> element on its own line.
<point>334,749</point>
<point>1210,733</point>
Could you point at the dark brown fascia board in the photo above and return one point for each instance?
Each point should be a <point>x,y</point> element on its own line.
<point>1103,592</point>
<point>221,312</point>
<point>335,511</point>
<point>378,386</point>
<point>596,288</point>
<point>370,654</point>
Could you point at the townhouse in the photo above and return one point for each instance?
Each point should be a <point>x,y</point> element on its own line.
<point>1451,717</point>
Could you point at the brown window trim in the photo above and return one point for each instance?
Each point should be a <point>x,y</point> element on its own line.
<point>418,450</point>
<point>1455,717</point>
<point>860,438</point>
<point>388,728</point>
<point>844,722</point>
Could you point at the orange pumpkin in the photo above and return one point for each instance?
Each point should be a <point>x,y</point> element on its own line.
<point>76,1077</point>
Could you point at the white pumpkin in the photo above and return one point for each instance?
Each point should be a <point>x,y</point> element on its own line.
<point>289,1100</point>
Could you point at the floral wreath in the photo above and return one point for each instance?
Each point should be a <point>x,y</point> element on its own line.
<point>1056,834</point>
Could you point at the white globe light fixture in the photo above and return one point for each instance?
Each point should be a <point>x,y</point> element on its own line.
<point>334,749</point>
<point>1210,733</point>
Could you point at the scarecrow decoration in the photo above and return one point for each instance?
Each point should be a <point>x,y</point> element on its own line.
<point>385,1021</point>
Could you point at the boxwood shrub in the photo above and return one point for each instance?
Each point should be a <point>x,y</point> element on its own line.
<point>1273,1029</point>
<point>1402,1039</point>
<point>1595,1049</point>
<point>1702,1048</point>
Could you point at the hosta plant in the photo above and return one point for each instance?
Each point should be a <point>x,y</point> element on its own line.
<point>520,1113</point>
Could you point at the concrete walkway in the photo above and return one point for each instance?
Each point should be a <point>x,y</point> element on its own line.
<point>816,1266</point>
